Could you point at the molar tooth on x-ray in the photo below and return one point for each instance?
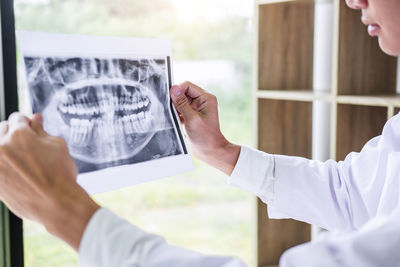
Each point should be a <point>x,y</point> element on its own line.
<point>111,111</point>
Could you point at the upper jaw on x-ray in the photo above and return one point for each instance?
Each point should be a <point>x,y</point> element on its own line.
<point>106,109</point>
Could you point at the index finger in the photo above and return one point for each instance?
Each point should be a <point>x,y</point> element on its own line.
<point>191,89</point>
<point>37,124</point>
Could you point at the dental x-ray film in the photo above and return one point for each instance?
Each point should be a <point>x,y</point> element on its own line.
<point>108,98</point>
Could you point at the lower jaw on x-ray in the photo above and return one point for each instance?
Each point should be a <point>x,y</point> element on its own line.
<point>109,116</point>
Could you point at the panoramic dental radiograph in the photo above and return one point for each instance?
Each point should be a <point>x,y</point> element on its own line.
<point>110,111</point>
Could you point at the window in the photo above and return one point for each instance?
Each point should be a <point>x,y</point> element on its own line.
<point>11,247</point>
<point>212,47</point>
<point>4,232</point>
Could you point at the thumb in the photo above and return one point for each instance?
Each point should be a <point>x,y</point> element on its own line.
<point>181,102</point>
<point>37,124</point>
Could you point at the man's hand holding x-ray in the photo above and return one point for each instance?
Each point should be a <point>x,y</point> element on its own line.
<point>38,179</point>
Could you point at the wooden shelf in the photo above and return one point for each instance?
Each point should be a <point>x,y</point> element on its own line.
<point>309,96</point>
<point>285,127</point>
<point>362,96</point>
<point>284,97</point>
<point>284,62</point>
<point>295,95</point>
<point>385,101</point>
<point>356,125</point>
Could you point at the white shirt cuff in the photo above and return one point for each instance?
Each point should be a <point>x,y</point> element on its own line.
<point>88,249</point>
<point>254,172</point>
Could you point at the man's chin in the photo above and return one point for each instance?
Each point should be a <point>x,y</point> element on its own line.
<point>390,48</point>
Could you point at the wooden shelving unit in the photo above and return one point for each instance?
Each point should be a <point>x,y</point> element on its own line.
<point>362,96</point>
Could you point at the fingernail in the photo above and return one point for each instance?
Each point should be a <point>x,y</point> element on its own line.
<point>177,91</point>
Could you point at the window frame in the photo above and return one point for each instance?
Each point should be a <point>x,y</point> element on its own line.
<point>11,231</point>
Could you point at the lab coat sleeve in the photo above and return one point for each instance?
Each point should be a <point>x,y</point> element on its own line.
<point>253,172</point>
<point>333,195</point>
<point>109,240</point>
<point>375,244</point>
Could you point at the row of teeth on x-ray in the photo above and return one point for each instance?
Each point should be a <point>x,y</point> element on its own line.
<point>82,129</point>
<point>117,104</point>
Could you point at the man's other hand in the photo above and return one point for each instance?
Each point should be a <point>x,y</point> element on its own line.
<point>198,111</point>
<point>38,179</point>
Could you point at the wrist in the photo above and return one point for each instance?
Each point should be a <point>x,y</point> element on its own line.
<point>225,157</point>
<point>70,218</point>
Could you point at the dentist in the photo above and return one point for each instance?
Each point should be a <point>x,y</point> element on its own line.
<point>358,199</point>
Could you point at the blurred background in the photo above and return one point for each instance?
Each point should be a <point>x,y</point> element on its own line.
<point>212,46</point>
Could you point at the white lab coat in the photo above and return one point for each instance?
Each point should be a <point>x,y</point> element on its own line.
<point>356,199</point>
<point>110,241</point>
